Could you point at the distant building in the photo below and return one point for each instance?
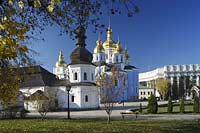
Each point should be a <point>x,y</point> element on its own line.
<point>181,77</point>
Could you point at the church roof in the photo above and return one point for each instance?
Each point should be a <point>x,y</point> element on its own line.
<point>38,95</point>
<point>34,76</point>
<point>130,67</point>
<point>83,84</point>
<point>80,54</point>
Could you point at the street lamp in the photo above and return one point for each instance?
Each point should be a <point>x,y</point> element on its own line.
<point>68,108</point>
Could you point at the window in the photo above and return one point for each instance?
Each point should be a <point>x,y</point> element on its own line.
<point>86,98</point>
<point>101,57</point>
<point>75,76</point>
<point>121,58</point>
<point>85,76</point>
<point>116,81</point>
<point>116,59</point>
<point>92,76</point>
<point>72,98</point>
<point>141,93</point>
<point>148,92</point>
<point>144,92</point>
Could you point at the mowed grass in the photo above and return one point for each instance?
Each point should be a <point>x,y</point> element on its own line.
<point>98,125</point>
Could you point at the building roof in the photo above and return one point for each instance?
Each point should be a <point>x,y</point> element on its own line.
<point>84,84</point>
<point>130,67</point>
<point>34,76</point>
<point>38,95</point>
<point>80,54</point>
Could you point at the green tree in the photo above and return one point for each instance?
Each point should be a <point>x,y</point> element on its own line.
<point>162,85</point>
<point>22,20</point>
<point>170,105</point>
<point>182,105</point>
<point>152,105</point>
<point>196,104</point>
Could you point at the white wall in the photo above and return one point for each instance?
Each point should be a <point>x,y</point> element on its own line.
<point>79,93</point>
<point>80,69</point>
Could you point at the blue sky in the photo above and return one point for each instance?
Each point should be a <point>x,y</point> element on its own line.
<point>164,32</point>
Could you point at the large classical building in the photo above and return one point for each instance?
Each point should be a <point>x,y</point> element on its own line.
<point>181,77</point>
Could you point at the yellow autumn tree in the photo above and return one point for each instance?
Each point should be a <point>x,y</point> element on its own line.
<point>162,85</point>
<point>21,20</point>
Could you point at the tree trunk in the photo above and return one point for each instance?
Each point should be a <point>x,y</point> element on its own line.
<point>108,121</point>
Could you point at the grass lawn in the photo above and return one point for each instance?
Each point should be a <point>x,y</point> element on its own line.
<point>94,125</point>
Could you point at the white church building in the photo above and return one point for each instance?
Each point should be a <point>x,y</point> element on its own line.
<point>80,75</point>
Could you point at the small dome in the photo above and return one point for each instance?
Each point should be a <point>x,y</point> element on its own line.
<point>80,53</point>
<point>109,43</point>
<point>61,61</point>
<point>118,48</point>
<point>99,48</point>
<point>126,54</point>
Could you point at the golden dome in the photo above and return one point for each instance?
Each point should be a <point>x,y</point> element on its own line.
<point>126,54</point>
<point>109,42</point>
<point>118,48</point>
<point>99,48</point>
<point>61,62</point>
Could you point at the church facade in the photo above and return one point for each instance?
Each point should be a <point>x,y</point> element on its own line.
<point>85,67</point>
<point>80,75</point>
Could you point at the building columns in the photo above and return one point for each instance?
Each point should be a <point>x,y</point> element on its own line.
<point>197,80</point>
<point>184,86</point>
<point>171,80</point>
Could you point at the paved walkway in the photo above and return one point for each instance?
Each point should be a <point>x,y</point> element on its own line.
<point>116,113</point>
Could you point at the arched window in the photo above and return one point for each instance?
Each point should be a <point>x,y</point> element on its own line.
<point>72,98</point>
<point>86,98</point>
<point>75,76</point>
<point>92,76</point>
<point>116,81</point>
<point>85,76</point>
<point>121,58</point>
<point>116,59</point>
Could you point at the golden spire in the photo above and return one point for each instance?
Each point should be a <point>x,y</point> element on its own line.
<point>118,48</point>
<point>126,53</point>
<point>109,42</point>
<point>61,61</point>
<point>99,48</point>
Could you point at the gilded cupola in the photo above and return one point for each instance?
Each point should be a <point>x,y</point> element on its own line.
<point>61,61</point>
<point>99,47</point>
<point>118,48</point>
<point>126,54</point>
<point>109,42</point>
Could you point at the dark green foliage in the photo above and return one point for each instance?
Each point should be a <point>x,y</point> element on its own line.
<point>170,105</point>
<point>140,109</point>
<point>152,105</point>
<point>182,106</point>
<point>196,104</point>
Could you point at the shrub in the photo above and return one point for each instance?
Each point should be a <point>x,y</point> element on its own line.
<point>140,109</point>
<point>152,105</point>
<point>170,105</point>
<point>182,106</point>
<point>196,104</point>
